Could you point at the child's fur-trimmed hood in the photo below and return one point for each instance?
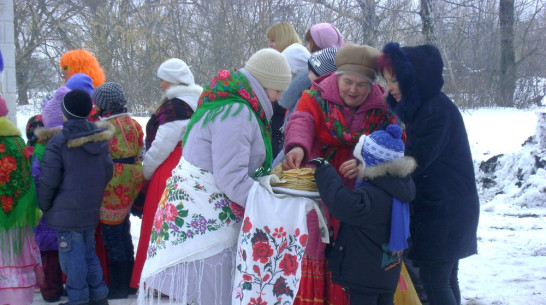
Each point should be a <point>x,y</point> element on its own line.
<point>44,134</point>
<point>105,135</point>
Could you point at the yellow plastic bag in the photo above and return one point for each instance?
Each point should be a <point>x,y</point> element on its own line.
<point>405,291</point>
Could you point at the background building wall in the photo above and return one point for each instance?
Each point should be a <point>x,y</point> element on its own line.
<point>8,85</point>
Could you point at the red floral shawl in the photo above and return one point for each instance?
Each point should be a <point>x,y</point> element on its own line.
<point>18,203</point>
<point>331,128</point>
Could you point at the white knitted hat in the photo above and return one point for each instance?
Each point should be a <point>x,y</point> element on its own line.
<point>297,56</point>
<point>270,68</point>
<point>175,71</point>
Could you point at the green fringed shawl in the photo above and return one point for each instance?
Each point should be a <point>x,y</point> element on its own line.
<point>39,150</point>
<point>229,91</point>
<point>18,203</point>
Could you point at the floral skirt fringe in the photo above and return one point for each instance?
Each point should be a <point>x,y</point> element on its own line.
<point>19,274</point>
<point>206,281</point>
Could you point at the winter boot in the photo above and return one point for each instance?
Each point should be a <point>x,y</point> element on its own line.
<point>118,288</point>
<point>103,301</point>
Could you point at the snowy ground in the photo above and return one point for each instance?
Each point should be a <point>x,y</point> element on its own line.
<point>511,265</point>
<point>510,268</point>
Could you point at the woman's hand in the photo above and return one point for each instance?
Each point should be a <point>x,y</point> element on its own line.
<point>349,169</point>
<point>293,158</point>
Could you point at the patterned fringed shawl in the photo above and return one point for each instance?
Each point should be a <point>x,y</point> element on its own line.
<point>18,200</point>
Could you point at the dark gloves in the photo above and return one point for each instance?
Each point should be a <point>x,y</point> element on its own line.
<point>318,162</point>
<point>137,209</point>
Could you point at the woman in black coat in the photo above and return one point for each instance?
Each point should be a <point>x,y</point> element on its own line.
<point>446,208</point>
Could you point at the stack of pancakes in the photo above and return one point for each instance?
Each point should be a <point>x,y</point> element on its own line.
<point>302,179</point>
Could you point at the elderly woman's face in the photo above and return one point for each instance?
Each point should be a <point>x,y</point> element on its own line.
<point>393,87</point>
<point>353,89</point>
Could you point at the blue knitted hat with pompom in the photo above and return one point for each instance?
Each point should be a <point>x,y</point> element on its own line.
<point>383,146</point>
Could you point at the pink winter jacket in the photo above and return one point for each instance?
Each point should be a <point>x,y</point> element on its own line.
<point>300,130</point>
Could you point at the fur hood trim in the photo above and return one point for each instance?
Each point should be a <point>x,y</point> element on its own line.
<point>189,94</point>
<point>107,125</point>
<point>419,73</point>
<point>44,134</point>
<point>105,135</point>
<point>358,149</point>
<point>396,168</point>
<point>8,129</point>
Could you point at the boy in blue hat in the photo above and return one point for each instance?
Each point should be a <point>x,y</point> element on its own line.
<point>374,217</point>
<point>75,169</point>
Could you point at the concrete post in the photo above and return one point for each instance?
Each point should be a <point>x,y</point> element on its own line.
<point>8,85</point>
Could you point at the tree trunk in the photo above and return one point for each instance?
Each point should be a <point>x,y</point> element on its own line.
<point>21,74</point>
<point>428,22</point>
<point>507,77</point>
<point>367,7</point>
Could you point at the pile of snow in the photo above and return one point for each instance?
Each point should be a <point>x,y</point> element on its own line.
<point>508,148</point>
<point>518,176</point>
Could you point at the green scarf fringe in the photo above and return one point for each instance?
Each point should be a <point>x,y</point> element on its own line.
<point>14,229</point>
<point>12,243</point>
<point>39,150</point>
<point>21,220</point>
<point>25,213</point>
<point>210,112</point>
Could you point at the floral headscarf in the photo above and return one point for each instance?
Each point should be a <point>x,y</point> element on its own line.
<point>230,90</point>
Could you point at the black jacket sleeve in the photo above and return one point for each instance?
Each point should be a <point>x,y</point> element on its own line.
<point>352,207</point>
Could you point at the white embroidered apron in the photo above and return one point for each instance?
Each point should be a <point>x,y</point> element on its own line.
<point>270,248</point>
<point>194,230</point>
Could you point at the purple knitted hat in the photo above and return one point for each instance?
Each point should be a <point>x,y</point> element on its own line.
<point>52,115</point>
<point>81,81</point>
<point>326,35</point>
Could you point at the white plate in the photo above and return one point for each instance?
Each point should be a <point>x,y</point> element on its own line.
<point>296,193</point>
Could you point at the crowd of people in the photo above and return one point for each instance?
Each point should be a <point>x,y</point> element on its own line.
<point>393,170</point>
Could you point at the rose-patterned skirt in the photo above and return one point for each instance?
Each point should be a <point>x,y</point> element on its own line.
<point>194,233</point>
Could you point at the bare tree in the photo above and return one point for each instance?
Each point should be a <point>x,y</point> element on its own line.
<point>507,76</point>
<point>131,38</point>
<point>37,23</point>
<point>530,49</point>
<point>428,22</point>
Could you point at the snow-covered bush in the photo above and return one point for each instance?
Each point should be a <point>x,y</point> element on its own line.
<point>521,175</point>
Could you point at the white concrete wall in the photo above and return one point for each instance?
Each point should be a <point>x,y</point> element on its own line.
<point>8,85</point>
